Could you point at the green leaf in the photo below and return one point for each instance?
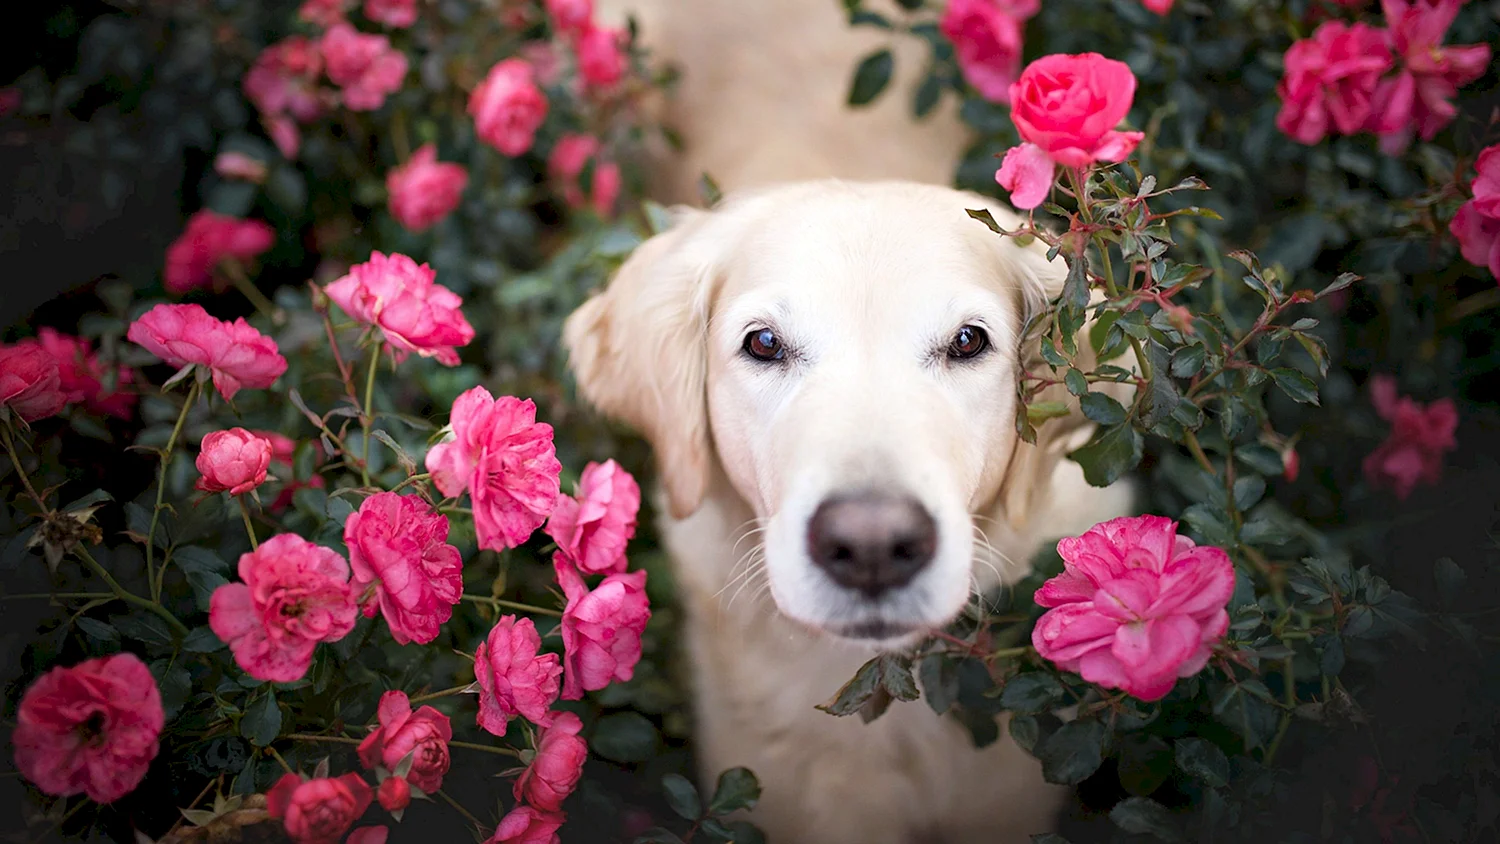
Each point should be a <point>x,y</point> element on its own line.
<point>896,677</point>
<point>174,684</point>
<point>886,675</point>
<point>1040,411</point>
<point>1032,692</point>
<point>339,509</point>
<point>927,96</point>
<point>1161,392</point>
<point>1145,762</point>
<point>1111,453</point>
<point>1070,755</point>
<point>864,17</point>
<point>682,796</point>
<point>1075,292</point>
<point>1188,361</point>
<point>984,216</point>
<point>261,723</point>
<point>1211,523</point>
<point>98,630</point>
<point>1026,731</point>
<point>1343,281</point>
<point>737,789</point>
<point>658,835</point>
<point>939,675</point>
<point>871,77</point>
<point>627,737</point>
<point>1048,838</point>
<point>1142,816</point>
<point>1248,490</point>
<point>1202,760</point>
<point>144,627</point>
<point>1075,382</point>
<point>1102,409</point>
<point>853,694</point>
<point>1296,385</point>
<point>1261,458</point>
<point>1447,574</point>
<point>202,640</point>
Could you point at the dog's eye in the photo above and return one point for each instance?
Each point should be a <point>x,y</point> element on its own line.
<point>970,341</point>
<point>764,345</point>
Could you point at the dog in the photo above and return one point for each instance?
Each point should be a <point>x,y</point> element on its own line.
<point>826,369</point>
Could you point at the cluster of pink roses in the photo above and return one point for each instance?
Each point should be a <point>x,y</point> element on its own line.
<point>1395,82</point>
<point>41,376</point>
<point>210,239</point>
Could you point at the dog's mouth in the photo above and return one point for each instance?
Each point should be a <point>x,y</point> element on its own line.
<point>877,630</point>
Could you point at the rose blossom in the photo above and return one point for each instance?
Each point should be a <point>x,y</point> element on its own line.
<point>237,165</point>
<point>394,794</point>
<point>368,835</point>
<point>398,546</point>
<point>324,13</point>
<point>1417,98</point>
<point>318,811</point>
<point>1420,436</point>
<point>601,629</point>
<point>365,66</point>
<point>506,461</point>
<point>557,767</point>
<point>513,678</point>
<point>1136,607</point>
<point>1476,225</point>
<point>283,85</point>
<point>601,55</point>
<point>234,352</point>
<point>508,107</point>
<point>30,386</point>
<point>233,461</point>
<point>398,14</point>
<point>209,239</point>
<point>1161,7</point>
<point>986,36</point>
<point>525,825</point>
<point>413,312</point>
<point>424,734</point>
<point>569,156</point>
<point>1486,185</point>
<point>594,528</point>
<point>423,191</point>
<point>81,375</point>
<point>1066,108</point>
<point>1331,78</point>
<point>570,16</point>
<point>90,728</point>
<point>295,594</point>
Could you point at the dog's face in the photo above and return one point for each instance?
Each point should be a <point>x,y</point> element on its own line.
<point>848,354</point>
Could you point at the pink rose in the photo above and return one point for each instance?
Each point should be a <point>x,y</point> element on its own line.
<point>81,375</point>
<point>1476,225</point>
<point>566,164</point>
<point>1067,108</point>
<point>601,55</point>
<point>513,678</point>
<point>1161,7</point>
<point>424,735</point>
<point>237,165</point>
<point>1417,98</point>
<point>570,16</point>
<point>505,460</point>
<point>402,299</point>
<point>986,36</point>
<point>369,835</point>
<point>233,461</point>
<point>283,81</point>
<point>1486,185</point>
<point>209,239</point>
<point>508,107</point>
<point>1420,436</point>
<point>525,825</point>
<point>90,728</point>
<point>1136,607</point>
<point>295,594</point>
<point>398,14</point>
<point>324,13</point>
<point>318,811</point>
<point>1330,79</point>
<point>557,766</point>
<point>394,794</point>
<point>398,547</point>
<point>234,353</point>
<point>593,529</point>
<point>601,630</point>
<point>30,386</point>
<point>424,191</point>
<point>366,66</point>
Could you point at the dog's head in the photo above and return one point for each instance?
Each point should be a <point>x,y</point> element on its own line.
<point>848,352</point>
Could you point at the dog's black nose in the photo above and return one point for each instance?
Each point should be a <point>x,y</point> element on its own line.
<point>871,541</point>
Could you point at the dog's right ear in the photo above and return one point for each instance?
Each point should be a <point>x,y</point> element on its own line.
<point>638,352</point>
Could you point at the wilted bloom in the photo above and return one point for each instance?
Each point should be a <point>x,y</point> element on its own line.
<point>1417,99</point>
<point>324,13</point>
<point>570,16</point>
<point>403,299</point>
<point>513,678</point>
<point>566,163</point>
<point>423,734</point>
<point>1066,108</point>
<point>209,239</point>
<point>234,352</point>
<point>90,728</point>
<point>1420,436</point>
<point>505,460</point>
<point>593,529</point>
<point>526,825</point>
<point>1136,607</point>
<point>986,36</point>
<point>555,770</point>
<point>318,811</point>
<point>508,107</point>
<point>30,386</point>
<point>232,461</point>
<point>1476,225</point>
<point>601,629</point>
<point>295,594</point>
<point>394,13</point>
<point>365,66</point>
<point>394,794</point>
<point>601,55</point>
<point>1330,81</point>
<point>81,374</point>
<point>237,165</point>
<point>423,190</point>
<point>398,546</point>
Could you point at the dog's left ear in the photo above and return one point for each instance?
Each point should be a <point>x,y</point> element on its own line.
<point>637,351</point>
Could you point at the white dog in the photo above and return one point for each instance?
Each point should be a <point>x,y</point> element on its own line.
<point>827,372</point>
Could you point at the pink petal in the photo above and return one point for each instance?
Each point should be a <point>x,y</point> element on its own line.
<point>1027,173</point>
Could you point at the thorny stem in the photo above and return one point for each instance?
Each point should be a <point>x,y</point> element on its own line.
<point>126,595</point>
<point>497,603</point>
<point>501,751</point>
<point>456,690</point>
<point>15,460</point>
<point>1197,450</point>
<point>154,577</point>
<point>1078,181</point>
<point>414,479</point>
<point>365,419</point>
<point>338,360</point>
<point>249,528</point>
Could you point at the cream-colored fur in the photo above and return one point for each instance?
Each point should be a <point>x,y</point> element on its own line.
<point>866,281</point>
